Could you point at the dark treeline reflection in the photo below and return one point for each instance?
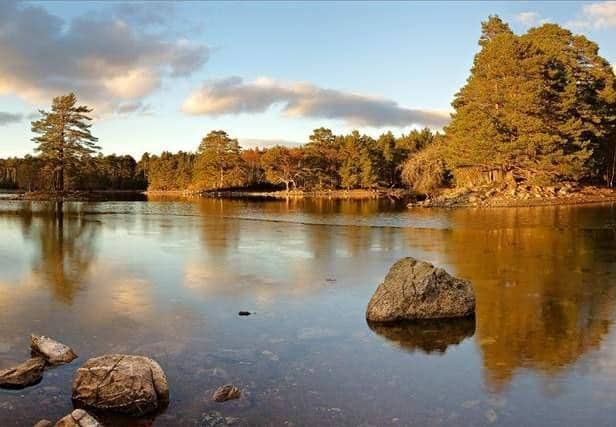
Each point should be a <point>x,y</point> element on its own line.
<point>64,243</point>
<point>545,281</point>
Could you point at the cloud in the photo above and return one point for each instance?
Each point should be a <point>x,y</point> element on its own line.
<point>599,15</point>
<point>528,19</point>
<point>233,96</point>
<point>106,59</point>
<point>263,143</point>
<point>9,118</point>
<point>133,107</point>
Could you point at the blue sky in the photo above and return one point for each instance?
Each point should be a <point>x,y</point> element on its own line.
<point>160,76</point>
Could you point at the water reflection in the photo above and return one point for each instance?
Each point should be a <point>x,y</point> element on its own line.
<point>167,279</point>
<point>544,280</point>
<point>65,245</point>
<point>427,336</point>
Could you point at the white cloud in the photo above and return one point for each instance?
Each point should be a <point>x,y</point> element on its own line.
<point>263,143</point>
<point>599,15</point>
<point>233,96</point>
<point>528,19</point>
<point>9,118</point>
<point>106,59</point>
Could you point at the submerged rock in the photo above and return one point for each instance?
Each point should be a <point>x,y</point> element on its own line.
<point>226,392</point>
<point>133,385</point>
<point>215,419</point>
<point>54,352</point>
<point>78,418</point>
<point>24,374</point>
<point>416,289</point>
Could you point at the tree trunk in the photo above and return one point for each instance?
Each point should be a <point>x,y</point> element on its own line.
<point>611,176</point>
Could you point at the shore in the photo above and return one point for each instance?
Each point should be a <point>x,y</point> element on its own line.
<point>518,196</point>
<point>72,196</point>
<point>483,196</point>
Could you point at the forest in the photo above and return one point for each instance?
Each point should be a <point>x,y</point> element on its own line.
<point>539,108</point>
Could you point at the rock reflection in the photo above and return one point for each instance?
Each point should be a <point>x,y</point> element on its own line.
<point>427,336</point>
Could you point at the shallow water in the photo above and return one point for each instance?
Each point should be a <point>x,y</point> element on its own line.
<point>167,278</point>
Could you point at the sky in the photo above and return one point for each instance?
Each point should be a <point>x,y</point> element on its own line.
<point>160,76</point>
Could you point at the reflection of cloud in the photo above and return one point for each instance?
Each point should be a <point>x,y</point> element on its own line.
<point>233,96</point>
<point>105,58</point>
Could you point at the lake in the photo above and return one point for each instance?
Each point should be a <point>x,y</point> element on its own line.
<point>167,278</point>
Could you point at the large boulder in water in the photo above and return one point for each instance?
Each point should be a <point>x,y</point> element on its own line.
<point>416,289</point>
<point>133,385</point>
<point>22,375</point>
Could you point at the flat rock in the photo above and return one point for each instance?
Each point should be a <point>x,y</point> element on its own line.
<point>133,385</point>
<point>78,418</point>
<point>416,289</point>
<point>226,392</point>
<point>54,352</point>
<point>43,423</point>
<point>24,374</point>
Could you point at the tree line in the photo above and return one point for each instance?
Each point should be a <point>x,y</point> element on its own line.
<point>327,161</point>
<point>69,159</point>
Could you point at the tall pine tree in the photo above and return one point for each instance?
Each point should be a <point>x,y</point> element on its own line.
<point>64,139</point>
<point>540,105</point>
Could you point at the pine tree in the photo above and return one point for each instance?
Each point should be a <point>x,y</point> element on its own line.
<point>219,163</point>
<point>64,139</point>
<point>539,105</point>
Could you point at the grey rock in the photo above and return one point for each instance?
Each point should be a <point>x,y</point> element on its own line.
<point>78,418</point>
<point>24,374</point>
<point>215,419</point>
<point>55,353</point>
<point>416,289</point>
<point>133,385</point>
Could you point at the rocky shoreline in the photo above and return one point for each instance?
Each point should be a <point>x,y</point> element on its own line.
<point>518,196</point>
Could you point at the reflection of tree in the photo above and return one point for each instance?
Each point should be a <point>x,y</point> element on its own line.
<point>220,232</point>
<point>65,246</point>
<point>428,336</point>
<point>543,298</point>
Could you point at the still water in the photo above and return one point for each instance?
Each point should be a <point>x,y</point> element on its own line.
<point>167,278</point>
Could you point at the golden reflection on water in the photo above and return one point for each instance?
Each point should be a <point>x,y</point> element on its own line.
<point>544,284</point>
<point>65,247</point>
<point>545,278</point>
